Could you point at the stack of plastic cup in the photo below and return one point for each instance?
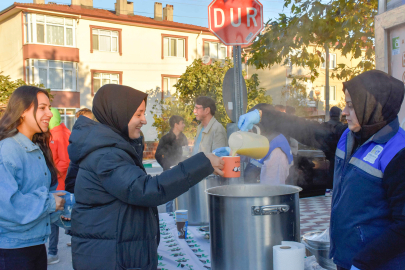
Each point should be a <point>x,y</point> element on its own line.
<point>182,223</point>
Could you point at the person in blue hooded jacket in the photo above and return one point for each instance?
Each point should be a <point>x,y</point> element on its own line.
<point>272,169</point>
<point>115,223</point>
<point>367,226</point>
<point>27,173</point>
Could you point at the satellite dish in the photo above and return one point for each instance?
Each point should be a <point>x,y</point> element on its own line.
<point>206,59</point>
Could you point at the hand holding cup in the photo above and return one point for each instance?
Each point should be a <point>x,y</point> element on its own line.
<point>217,163</point>
<point>59,201</point>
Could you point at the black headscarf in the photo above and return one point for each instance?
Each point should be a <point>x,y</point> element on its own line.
<point>114,105</point>
<point>376,98</point>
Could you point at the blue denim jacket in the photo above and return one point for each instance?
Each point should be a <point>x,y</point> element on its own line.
<point>25,201</point>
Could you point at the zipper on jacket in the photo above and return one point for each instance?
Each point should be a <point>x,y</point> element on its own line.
<point>361,234</point>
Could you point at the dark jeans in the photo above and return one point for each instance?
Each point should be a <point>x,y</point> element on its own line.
<point>341,268</point>
<point>28,258</point>
<point>53,240</point>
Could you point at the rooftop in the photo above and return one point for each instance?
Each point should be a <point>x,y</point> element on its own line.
<point>106,15</point>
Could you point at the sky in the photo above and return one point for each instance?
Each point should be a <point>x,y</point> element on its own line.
<point>185,11</point>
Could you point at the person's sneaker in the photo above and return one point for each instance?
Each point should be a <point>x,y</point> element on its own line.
<point>69,244</point>
<point>52,259</point>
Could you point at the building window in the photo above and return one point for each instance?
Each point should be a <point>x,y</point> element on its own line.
<point>215,50</point>
<point>168,82</point>
<point>104,40</point>
<point>174,46</point>
<point>50,30</point>
<point>55,75</point>
<point>332,61</point>
<point>100,78</point>
<point>67,117</point>
<point>332,93</point>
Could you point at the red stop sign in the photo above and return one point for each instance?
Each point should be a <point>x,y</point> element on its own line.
<point>235,22</point>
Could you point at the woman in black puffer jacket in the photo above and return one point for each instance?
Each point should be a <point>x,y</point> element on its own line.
<point>115,224</point>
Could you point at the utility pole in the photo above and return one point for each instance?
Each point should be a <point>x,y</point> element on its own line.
<point>327,88</point>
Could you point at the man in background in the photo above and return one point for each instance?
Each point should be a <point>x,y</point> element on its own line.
<point>170,149</point>
<point>335,115</point>
<point>210,133</point>
<point>85,112</point>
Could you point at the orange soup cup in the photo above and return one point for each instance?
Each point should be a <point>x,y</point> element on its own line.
<point>231,167</point>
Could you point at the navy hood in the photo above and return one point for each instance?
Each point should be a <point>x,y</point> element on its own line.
<point>376,98</point>
<point>88,136</point>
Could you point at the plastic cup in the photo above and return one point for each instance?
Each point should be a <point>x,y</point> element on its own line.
<point>182,223</point>
<point>231,167</point>
<point>69,202</point>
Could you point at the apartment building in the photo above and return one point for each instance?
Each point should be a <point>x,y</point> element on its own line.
<point>75,49</point>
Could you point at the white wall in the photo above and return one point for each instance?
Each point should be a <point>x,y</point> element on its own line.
<point>141,61</point>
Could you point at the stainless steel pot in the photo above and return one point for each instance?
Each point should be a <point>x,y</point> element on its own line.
<point>195,200</point>
<point>246,221</point>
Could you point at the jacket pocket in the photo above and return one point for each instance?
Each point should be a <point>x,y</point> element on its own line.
<point>136,254</point>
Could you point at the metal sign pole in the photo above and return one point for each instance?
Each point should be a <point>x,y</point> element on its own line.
<point>238,96</point>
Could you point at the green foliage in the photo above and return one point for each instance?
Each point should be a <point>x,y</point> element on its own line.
<point>343,25</point>
<point>7,87</point>
<point>201,80</point>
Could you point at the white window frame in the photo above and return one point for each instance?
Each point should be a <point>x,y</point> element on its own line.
<point>168,50</point>
<point>104,75</point>
<point>332,64</point>
<point>331,88</point>
<point>220,45</point>
<point>111,39</point>
<point>32,73</point>
<point>168,92</point>
<point>30,23</point>
<point>64,116</point>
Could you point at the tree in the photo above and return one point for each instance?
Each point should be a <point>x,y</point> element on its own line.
<point>344,25</point>
<point>7,87</point>
<point>201,80</point>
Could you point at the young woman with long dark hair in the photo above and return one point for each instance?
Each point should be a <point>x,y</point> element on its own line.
<point>27,172</point>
